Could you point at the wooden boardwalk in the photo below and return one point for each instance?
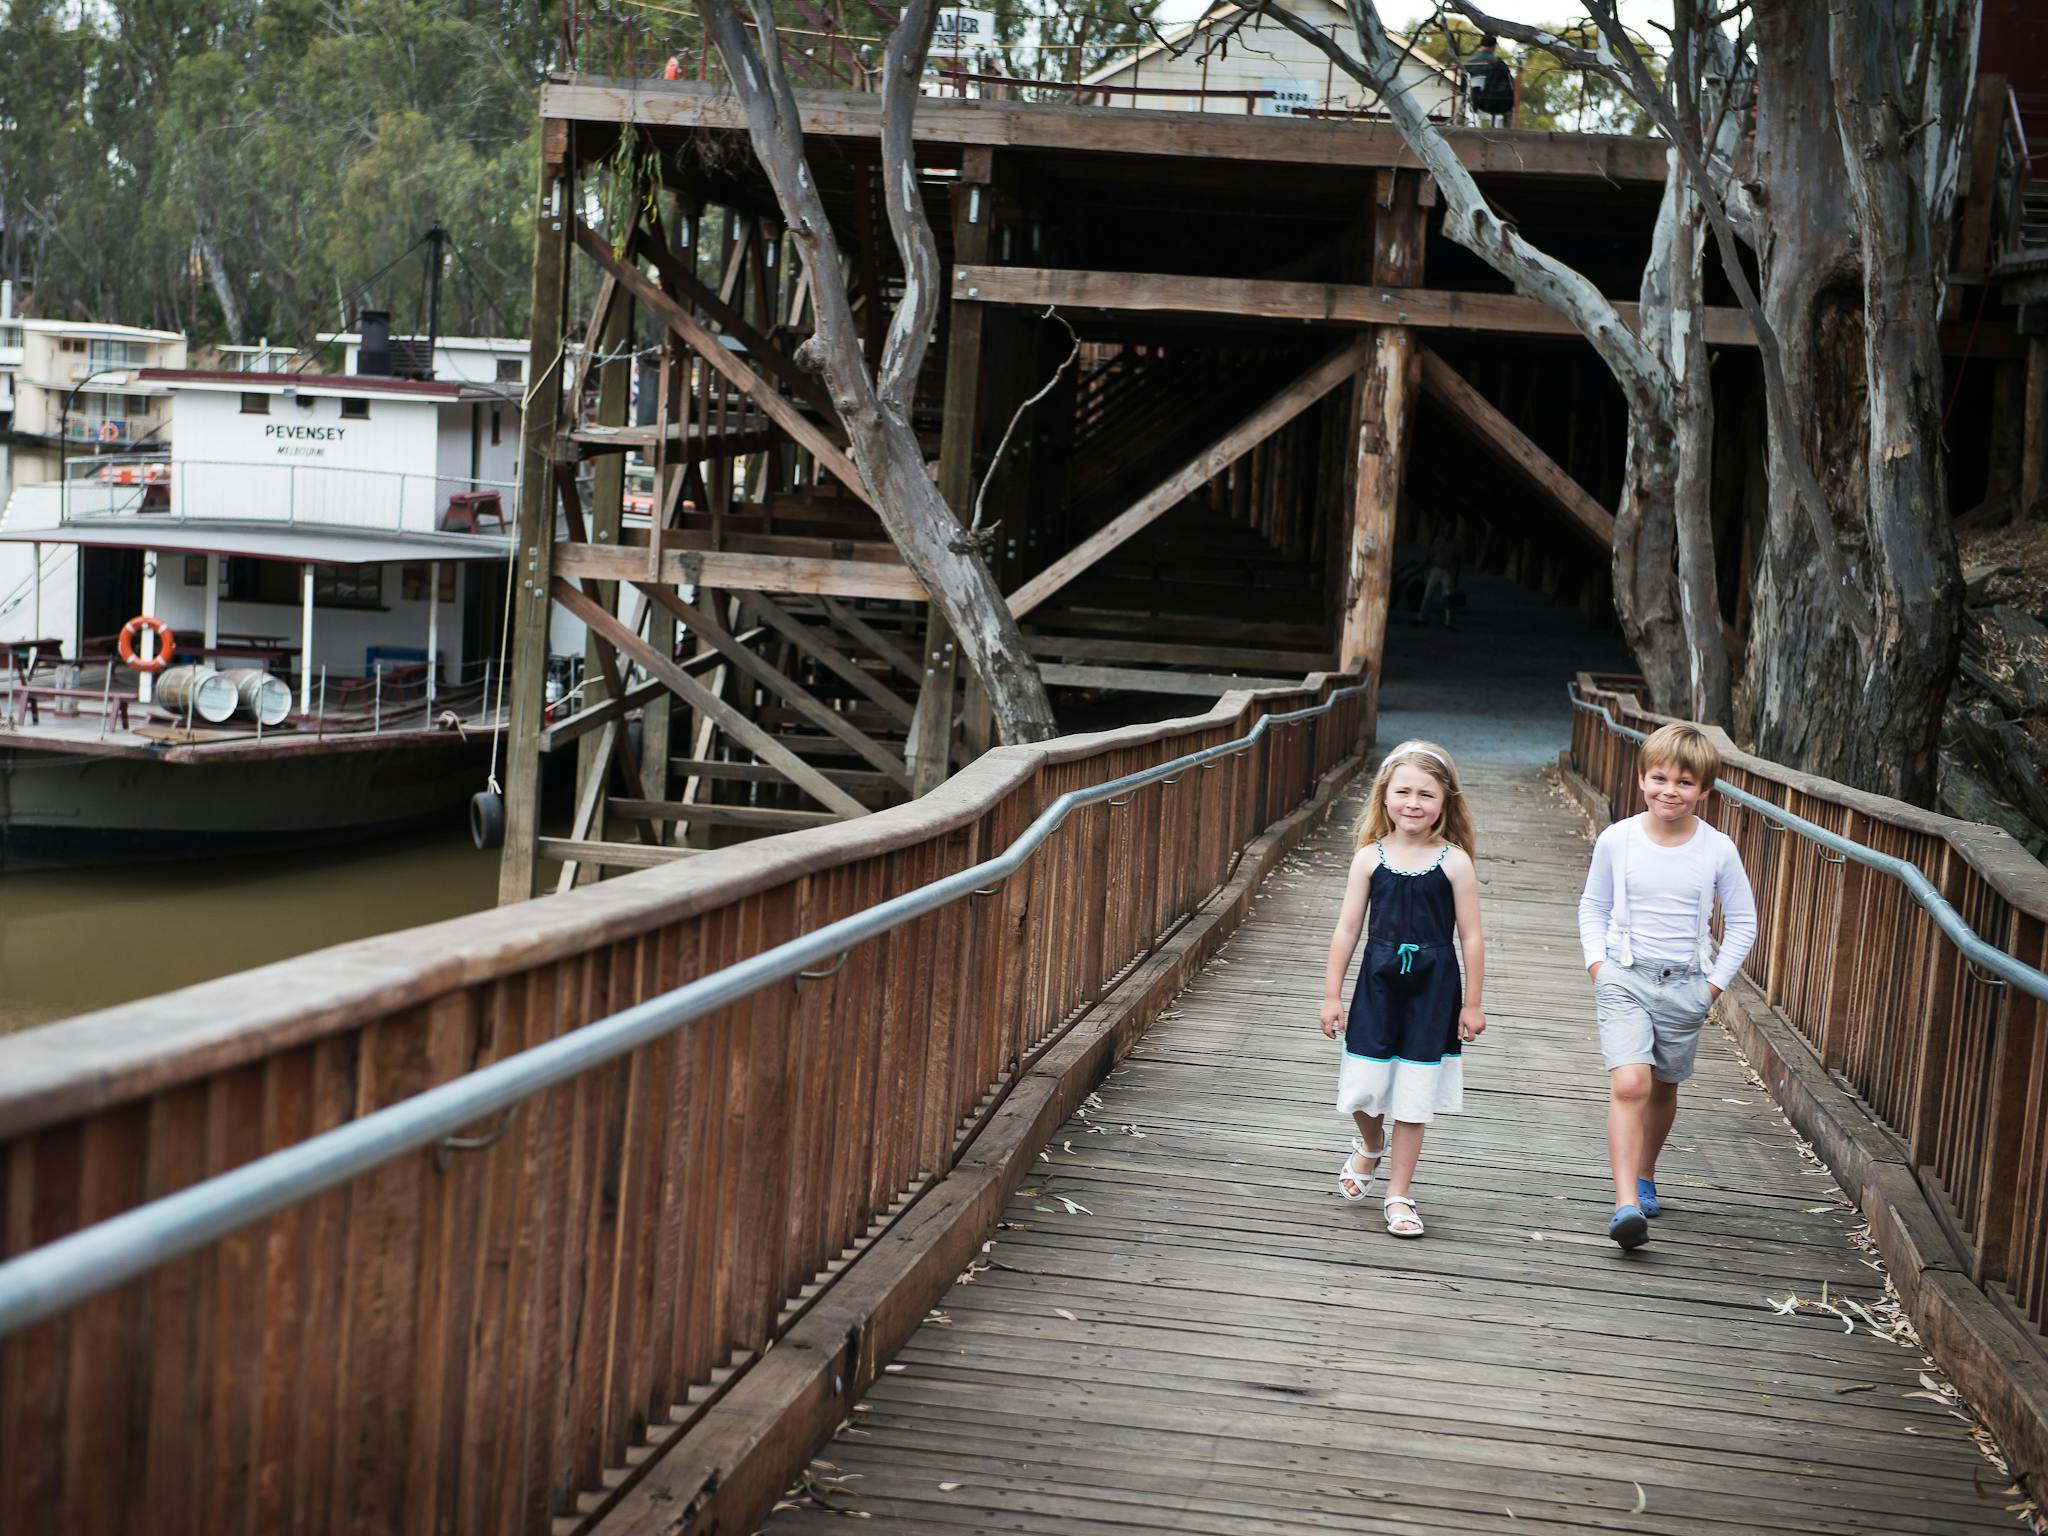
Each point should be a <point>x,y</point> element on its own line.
<point>1182,1328</point>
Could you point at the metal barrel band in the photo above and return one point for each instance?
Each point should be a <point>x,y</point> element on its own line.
<point>59,1275</point>
<point>1972,946</point>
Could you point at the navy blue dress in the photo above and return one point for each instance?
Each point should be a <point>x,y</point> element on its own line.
<point>1402,1055</point>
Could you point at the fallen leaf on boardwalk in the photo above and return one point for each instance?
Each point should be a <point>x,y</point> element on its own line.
<point>1861,1386</point>
<point>1932,1397</point>
<point>1511,1513</point>
<point>895,1367</point>
<point>1735,1101</point>
<point>1642,1500</point>
<point>1535,1237</point>
<point>1044,1156</point>
<point>1929,1382</point>
<point>947,1487</point>
<point>1074,1207</point>
<point>1069,1147</point>
<point>1050,1210</point>
<point>1815,1210</point>
<point>1063,1312</point>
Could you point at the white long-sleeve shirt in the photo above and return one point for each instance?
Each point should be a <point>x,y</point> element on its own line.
<point>1666,913</point>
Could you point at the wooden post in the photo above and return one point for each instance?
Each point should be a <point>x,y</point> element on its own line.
<point>1384,412</point>
<point>931,736</point>
<point>533,548</point>
<point>611,339</point>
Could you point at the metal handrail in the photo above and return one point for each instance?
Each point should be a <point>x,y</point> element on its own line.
<point>1965,938</point>
<point>58,1276</point>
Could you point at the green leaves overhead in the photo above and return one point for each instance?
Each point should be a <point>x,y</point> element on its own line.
<point>239,169</point>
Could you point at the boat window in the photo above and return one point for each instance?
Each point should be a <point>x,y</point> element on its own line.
<point>355,410</point>
<point>255,404</point>
<point>511,370</point>
<point>277,581</point>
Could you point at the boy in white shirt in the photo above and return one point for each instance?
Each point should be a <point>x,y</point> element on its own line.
<point>1643,927</point>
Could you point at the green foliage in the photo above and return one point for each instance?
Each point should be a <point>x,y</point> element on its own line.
<point>164,161</point>
<point>1069,40</point>
<point>1553,95</point>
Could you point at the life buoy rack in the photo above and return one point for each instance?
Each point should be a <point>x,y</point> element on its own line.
<point>131,636</point>
<point>109,433</point>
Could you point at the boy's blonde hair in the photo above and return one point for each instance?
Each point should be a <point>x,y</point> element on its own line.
<point>1453,826</point>
<point>1691,748</point>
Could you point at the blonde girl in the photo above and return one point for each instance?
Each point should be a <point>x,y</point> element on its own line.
<point>1409,1018</point>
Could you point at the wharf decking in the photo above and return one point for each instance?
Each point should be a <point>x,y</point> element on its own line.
<point>1180,1327</point>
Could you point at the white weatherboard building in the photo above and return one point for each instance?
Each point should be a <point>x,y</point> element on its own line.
<point>1278,73</point>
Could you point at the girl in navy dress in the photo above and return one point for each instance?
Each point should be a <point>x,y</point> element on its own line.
<point>1409,1018</point>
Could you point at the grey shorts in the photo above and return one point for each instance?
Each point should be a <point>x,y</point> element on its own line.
<point>1650,1015</point>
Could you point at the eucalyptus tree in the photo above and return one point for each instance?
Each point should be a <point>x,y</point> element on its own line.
<point>874,404</point>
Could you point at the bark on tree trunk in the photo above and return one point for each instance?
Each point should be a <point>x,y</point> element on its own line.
<point>223,285</point>
<point>875,408</point>
<point>1708,682</point>
<point>1851,265</point>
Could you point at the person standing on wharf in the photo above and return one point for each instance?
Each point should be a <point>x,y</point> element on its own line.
<point>1644,930</point>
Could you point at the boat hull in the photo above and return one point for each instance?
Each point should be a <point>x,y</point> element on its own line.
<point>63,810</point>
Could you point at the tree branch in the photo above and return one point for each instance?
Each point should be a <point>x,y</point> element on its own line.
<point>911,327</point>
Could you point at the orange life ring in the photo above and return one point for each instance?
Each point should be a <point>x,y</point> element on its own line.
<point>109,432</point>
<point>131,634</point>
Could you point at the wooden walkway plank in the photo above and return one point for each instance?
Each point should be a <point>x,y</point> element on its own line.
<point>1180,1327</point>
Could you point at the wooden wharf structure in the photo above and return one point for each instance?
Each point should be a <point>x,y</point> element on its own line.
<point>1284,369</point>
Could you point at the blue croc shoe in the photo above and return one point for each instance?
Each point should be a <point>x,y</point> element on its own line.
<point>1629,1227</point>
<point>1646,1198</point>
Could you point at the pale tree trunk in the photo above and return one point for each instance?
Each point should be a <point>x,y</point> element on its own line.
<point>875,408</point>
<point>217,275</point>
<point>1643,522</point>
<point>1708,683</point>
<point>1851,251</point>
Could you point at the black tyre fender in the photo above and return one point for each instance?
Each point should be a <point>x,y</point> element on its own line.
<point>487,819</point>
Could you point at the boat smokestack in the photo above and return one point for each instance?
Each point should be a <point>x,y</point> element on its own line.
<point>373,353</point>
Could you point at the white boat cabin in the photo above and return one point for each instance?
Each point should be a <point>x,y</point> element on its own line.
<point>333,525</point>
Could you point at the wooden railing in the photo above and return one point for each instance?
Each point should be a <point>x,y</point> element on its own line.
<point>494,1335</point>
<point>1953,1060</point>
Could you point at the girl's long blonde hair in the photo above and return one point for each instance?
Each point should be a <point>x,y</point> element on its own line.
<point>1453,826</point>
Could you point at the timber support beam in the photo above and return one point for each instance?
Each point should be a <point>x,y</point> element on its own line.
<point>1512,446</point>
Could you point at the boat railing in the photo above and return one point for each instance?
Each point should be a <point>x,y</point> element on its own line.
<point>389,698</point>
<point>316,496</point>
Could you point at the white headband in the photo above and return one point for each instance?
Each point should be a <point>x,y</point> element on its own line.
<point>1418,747</point>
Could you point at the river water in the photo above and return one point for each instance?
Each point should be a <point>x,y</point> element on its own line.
<point>75,940</point>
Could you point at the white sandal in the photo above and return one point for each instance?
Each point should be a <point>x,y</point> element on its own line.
<point>1362,1177</point>
<point>1397,1224</point>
